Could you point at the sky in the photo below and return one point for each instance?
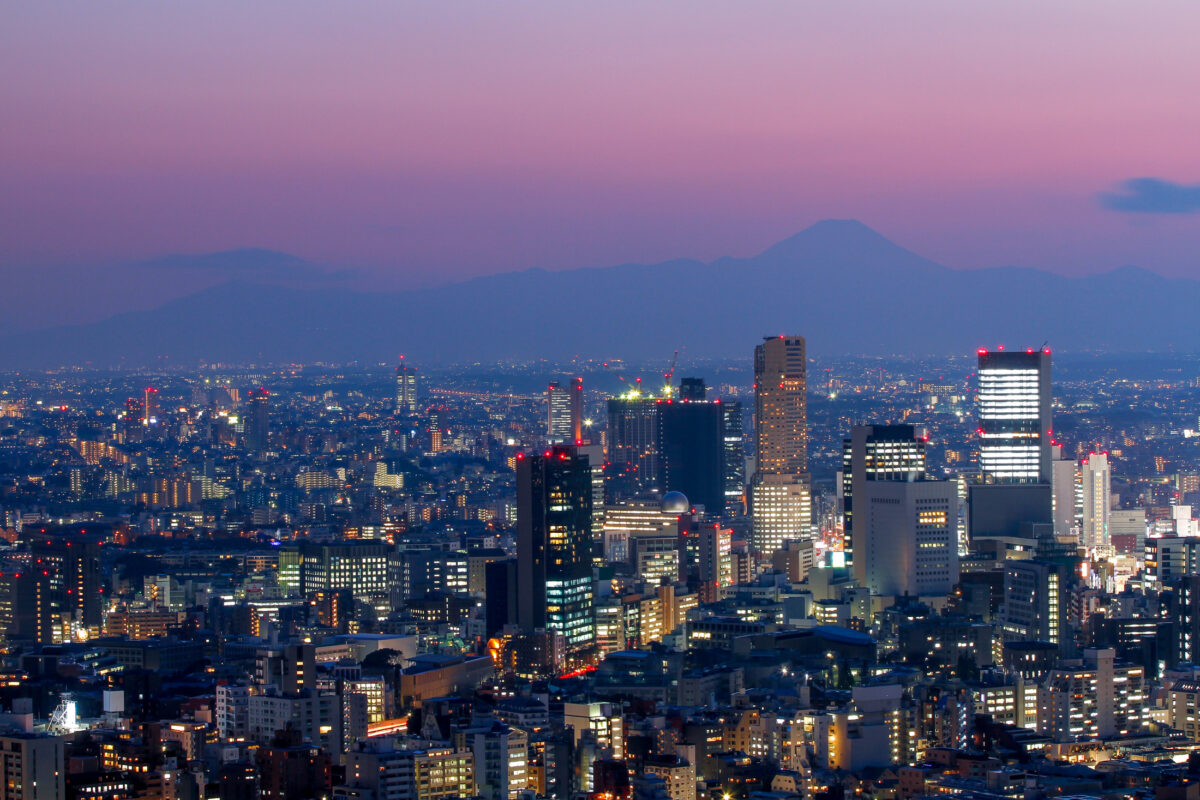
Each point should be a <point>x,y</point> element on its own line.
<point>416,143</point>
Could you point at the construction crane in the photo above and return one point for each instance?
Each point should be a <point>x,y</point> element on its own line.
<point>620,377</point>
<point>670,373</point>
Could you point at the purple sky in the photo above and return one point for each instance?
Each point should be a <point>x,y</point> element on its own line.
<point>421,142</point>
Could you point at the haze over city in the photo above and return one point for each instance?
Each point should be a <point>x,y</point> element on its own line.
<point>599,401</point>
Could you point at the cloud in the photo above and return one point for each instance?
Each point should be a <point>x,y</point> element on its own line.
<point>1153,196</point>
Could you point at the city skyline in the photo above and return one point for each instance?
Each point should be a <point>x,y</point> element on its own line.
<point>477,401</point>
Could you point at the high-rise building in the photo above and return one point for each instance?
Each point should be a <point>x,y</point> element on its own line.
<point>1094,697</point>
<point>257,424</point>
<point>577,410</point>
<point>563,410</point>
<point>781,406</point>
<point>1015,485</point>
<point>735,458</point>
<point>715,561</point>
<point>692,452</point>
<point>59,595</point>
<point>436,444</point>
<point>780,493</point>
<point>133,421</point>
<point>1096,481</point>
<point>554,545</point>
<point>150,408</point>
<point>1065,479</point>
<point>781,506</point>
<point>876,453</point>
<point>406,389</point>
<point>906,539</point>
<point>1036,602</point>
<point>1015,427</point>
<point>633,451</point>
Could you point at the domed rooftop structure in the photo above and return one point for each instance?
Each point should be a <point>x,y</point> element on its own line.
<point>675,503</point>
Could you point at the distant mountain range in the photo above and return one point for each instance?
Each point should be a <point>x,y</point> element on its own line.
<point>838,283</point>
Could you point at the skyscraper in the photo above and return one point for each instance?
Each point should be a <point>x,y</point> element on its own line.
<point>1015,485</point>
<point>1014,416</point>
<point>633,430</point>
<point>406,388</point>
<point>564,412</point>
<point>780,494</point>
<point>735,457</point>
<point>577,410</point>
<point>781,406</point>
<point>1097,488</point>
<point>257,425</point>
<point>692,452</point>
<point>1065,489</point>
<point>554,545</point>
<point>150,408</point>
<point>876,453</point>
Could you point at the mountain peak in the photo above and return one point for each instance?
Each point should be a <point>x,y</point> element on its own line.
<point>838,240</point>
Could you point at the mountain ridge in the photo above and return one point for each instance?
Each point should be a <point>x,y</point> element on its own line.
<point>844,286</point>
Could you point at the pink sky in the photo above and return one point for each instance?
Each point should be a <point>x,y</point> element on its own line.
<point>423,141</point>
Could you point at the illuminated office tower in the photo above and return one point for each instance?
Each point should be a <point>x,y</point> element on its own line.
<point>780,493</point>
<point>257,425</point>
<point>554,546</point>
<point>876,453</point>
<point>1015,487</point>
<point>735,458</point>
<point>406,389</point>
<point>781,406</point>
<point>1096,481</point>
<point>1014,416</point>
<point>782,510</point>
<point>564,407</point>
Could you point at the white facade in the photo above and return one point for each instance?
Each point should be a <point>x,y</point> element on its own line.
<point>909,534</point>
<point>1097,490</point>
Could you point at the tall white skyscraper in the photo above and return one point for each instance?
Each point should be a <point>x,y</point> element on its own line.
<point>1096,481</point>
<point>1066,474</point>
<point>1014,416</point>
